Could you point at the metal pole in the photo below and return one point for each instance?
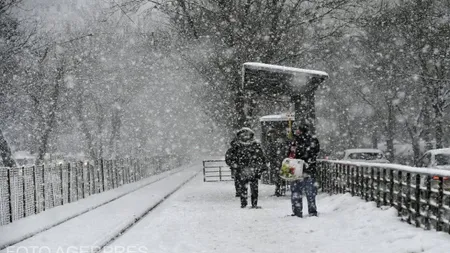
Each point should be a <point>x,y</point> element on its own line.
<point>24,193</point>
<point>103,174</point>
<point>69,184</point>
<point>35,191</point>
<point>43,185</point>
<point>8,174</point>
<point>76,180</point>
<point>83,183</point>
<point>440,197</point>
<point>418,199</point>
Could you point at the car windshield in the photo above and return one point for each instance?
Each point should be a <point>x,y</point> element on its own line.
<point>366,156</point>
<point>442,159</point>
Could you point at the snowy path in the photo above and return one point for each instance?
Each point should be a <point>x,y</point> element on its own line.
<point>96,227</point>
<point>206,217</point>
<point>26,227</point>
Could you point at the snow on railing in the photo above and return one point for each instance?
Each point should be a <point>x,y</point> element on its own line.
<point>420,195</point>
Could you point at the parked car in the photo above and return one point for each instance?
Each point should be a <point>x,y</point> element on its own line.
<point>436,159</point>
<point>365,155</point>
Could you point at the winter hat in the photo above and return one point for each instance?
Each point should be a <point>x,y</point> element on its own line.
<point>245,134</point>
<point>302,127</point>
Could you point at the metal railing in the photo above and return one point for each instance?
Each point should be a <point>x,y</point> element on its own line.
<point>25,191</point>
<point>420,195</point>
<point>216,170</point>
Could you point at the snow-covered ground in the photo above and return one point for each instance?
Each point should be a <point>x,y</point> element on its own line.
<point>96,226</point>
<point>33,224</point>
<point>206,217</point>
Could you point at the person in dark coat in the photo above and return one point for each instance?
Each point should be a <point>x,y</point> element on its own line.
<point>247,158</point>
<point>230,157</point>
<point>276,150</point>
<point>306,148</point>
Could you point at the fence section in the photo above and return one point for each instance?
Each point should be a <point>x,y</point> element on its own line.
<point>30,190</point>
<point>216,170</point>
<point>421,196</point>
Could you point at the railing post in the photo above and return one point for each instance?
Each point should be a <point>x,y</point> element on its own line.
<point>418,199</point>
<point>322,176</point>
<point>61,176</point>
<point>391,187</point>
<point>109,174</point>
<point>8,175</point>
<point>408,197</point>
<point>440,198</point>
<point>83,186</point>
<point>24,193</point>
<point>378,198</point>
<point>204,172</point>
<point>35,190</point>
<point>51,171</point>
<point>428,196</point>
<point>352,180</point>
<point>327,178</point>
<point>69,183</point>
<point>136,162</point>
<point>357,181</point>
<point>385,187</point>
<point>372,187</point>
<point>117,173</point>
<point>99,178</point>
<point>347,186</point>
<point>399,198</point>
<point>331,178</point>
<point>88,175</point>
<point>43,186</point>
<point>76,180</point>
<point>363,183</point>
<point>103,174</point>
<point>339,179</point>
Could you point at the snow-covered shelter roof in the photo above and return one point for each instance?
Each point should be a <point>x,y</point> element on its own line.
<point>276,80</point>
<point>284,69</point>
<point>277,117</point>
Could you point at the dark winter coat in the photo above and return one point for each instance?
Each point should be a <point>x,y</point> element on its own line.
<point>307,149</point>
<point>276,151</point>
<point>246,154</point>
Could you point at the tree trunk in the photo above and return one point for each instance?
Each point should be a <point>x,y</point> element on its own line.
<point>240,117</point>
<point>416,150</point>
<point>116,122</point>
<point>49,123</point>
<point>374,138</point>
<point>85,129</point>
<point>5,152</point>
<point>390,130</point>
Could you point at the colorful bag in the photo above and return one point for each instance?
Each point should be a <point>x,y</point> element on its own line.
<point>292,169</point>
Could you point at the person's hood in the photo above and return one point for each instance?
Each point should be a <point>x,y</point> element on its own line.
<point>245,131</point>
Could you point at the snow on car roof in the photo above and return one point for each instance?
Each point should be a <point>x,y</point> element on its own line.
<point>276,117</point>
<point>439,151</point>
<point>363,150</point>
<point>283,69</point>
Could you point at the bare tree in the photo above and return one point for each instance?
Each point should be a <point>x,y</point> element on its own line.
<point>225,34</point>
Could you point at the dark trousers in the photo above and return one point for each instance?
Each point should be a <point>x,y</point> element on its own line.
<point>237,181</point>
<point>244,182</point>
<point>297,187</point>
